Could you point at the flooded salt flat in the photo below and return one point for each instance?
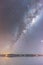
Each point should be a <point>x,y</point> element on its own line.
<point>22,61</point>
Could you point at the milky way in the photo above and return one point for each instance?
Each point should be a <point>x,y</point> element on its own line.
<point>21,30</point>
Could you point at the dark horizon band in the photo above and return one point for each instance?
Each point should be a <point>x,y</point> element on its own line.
<point>21,55</point>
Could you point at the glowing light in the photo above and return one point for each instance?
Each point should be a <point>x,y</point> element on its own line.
<point>41,41</point>
<point>34,21</point>
<point>6,54</point>
<point>24,31</point>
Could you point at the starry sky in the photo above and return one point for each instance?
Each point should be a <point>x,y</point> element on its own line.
<point>21,30</point>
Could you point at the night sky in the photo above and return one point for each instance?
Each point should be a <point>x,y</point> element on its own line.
<point>21,30</point>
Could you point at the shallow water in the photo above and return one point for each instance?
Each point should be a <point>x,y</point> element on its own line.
<point>22,61</point>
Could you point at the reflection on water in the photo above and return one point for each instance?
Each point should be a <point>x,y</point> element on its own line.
<point>22,61</point>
